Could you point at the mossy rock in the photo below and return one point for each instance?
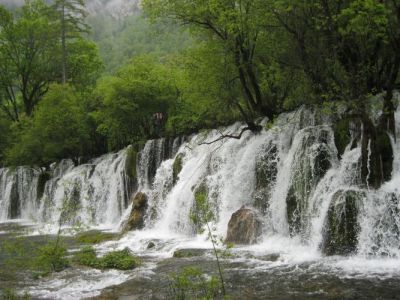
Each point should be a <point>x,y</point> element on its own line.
<point>312,163</point>
<point>137,216</point>
<point>341,227</point>
<point>266,172</point>
<point>177,167</point>
<point>186,253</point>
<point>43,178</point>
<point>385,149</point>
<point>95,237</point>
<point>130,162</point>
<point>342,135</point>
<point>15,205</point>
<point>200,205</point>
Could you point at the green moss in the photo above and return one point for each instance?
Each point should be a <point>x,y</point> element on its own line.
<point>95,237</point>
<point>177,167</point>
<point>185,253</point>
<point>342,135</point>
<point>86,257</point>
<point>201,211</point>
<point>385,150</point>
<point>130,163</point>
<point>342,228</point>
<point>120,259</point>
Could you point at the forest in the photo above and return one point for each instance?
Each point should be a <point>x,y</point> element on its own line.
<point>75,85</point>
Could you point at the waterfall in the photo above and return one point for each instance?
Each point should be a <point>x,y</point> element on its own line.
<point>94,194</point>
<point>290,174</point>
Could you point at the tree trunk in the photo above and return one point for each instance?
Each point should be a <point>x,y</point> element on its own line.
<point>63,46</point>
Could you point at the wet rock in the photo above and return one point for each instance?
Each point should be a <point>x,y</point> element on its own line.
<point>266,172</point>
<point>15,205</point>
<point>244,227</point>
<point>177,167</point>
<point>184,253</point>
<point>341,227</point>
<point>342,135</point>
<point>271,257</point>
<point>130,163</point>
<point>151,245</point>
<point>136,218</point>
<point>201,209</point>
<point>43,178</point>
<point>313,159</point>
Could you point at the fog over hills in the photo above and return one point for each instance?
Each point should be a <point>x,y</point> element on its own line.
<point>114,8</point>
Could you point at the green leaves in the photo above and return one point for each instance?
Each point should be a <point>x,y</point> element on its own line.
<point>59,130</point>
<point>128,101</point>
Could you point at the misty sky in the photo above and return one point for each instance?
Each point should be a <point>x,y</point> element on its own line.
<point>10,2</point>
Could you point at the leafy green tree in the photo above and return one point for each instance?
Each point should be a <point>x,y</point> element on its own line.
<point>27,42</point>
<point>349,50</point>
<point>59,129</point>
<point>71,16</point>
<point>238,26</point>
<point>5,136</point>
<point>208,94</point>
<point>128,101</point>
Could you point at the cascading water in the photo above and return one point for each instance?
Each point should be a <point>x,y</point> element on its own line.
<point>290,174</point>
<point>310,200</point>
<point>95,193</point>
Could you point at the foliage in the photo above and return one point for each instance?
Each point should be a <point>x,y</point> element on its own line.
<point>27,41</point>
<point>60,129</point>
<point>86,257</point>
<point>51,258</point>
<point>127,101</point>
<point>120,259</point>
<point>192,283</point>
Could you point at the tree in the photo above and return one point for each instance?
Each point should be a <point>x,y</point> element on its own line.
<point>27,41</point>
<point>349,50</point>
<point>237,25</point>
<point>59,129</point>
<point>70,15</point>
<point>126,103</point>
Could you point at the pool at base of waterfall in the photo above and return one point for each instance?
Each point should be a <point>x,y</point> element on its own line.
<point>276,268</point>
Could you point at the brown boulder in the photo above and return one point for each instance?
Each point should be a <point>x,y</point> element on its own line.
<point>136,218</point>
<point>244,227</point>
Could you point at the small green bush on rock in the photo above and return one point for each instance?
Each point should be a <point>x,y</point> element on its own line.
<point>120,259</point>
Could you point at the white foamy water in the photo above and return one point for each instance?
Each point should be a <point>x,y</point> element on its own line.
<point>291,167</point>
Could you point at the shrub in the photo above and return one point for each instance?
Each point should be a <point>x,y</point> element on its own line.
<point>120,259</point>
<point>86,257</point>
<point>52,258</point>
<point>192,283</point>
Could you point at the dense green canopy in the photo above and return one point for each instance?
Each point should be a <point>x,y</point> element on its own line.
<point>197,63</point>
